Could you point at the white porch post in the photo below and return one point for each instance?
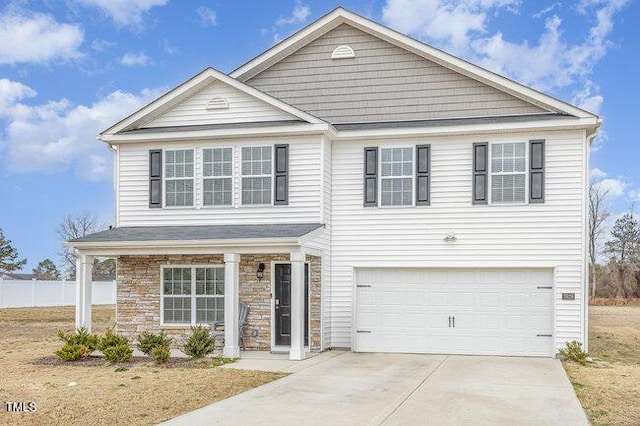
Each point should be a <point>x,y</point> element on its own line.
<point>84,271</point>
<point>297,306</point>
<point>231,304</point>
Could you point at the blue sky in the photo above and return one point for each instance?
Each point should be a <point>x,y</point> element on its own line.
<point>71,68</point>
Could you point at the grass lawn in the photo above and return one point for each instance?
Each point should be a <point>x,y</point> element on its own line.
<point>609,389</point>
<point>143,394</point>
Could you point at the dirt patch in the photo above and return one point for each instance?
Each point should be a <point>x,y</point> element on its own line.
<point>609,389</point>
<point>137,392</point>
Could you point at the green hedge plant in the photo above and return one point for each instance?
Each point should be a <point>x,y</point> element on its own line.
<point>200,343</point>
<point>111,339</point>
<point>160,354</point>
<point>574,352</point>
<point>72,352</point>
<point>118,353</point>
<point>147,342</point>
<point>80,337</point>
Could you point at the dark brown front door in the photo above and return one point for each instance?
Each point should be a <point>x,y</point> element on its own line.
<point>282,300</point>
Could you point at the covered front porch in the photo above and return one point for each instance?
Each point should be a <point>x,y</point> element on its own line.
<point>172,284</point>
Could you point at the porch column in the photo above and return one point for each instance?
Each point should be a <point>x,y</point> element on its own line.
<point>231,304</point>
<point>297,306</point>
<point>84,272</point>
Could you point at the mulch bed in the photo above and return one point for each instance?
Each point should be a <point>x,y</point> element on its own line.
<point>97,361</point>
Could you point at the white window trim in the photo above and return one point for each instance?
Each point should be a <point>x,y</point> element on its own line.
<point>413,177</point>
<point>165,179</point>
<point>241,176</point>
<point>526,175</point>
<point>193,293</point>
<point>202,178</point>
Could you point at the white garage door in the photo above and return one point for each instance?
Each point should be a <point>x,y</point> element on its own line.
<point>476,312</point>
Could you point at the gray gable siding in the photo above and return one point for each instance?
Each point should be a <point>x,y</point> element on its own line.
<point>382,83</point>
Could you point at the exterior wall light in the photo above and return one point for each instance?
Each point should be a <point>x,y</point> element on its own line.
<point>450,238</point>
<point>260,271</point>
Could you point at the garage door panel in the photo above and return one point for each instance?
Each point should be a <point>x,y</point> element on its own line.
<point>497,312</point>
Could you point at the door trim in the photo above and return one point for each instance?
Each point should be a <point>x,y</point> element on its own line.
<point>279,348</point>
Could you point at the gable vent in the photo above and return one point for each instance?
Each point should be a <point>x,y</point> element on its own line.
<point>342,52</point>
<point>218,103</point>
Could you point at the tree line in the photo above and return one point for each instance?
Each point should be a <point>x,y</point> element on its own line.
<point>72,226</point>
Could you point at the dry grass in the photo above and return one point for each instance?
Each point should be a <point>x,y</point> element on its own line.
<point>609,389</point>
<point>143,394</point>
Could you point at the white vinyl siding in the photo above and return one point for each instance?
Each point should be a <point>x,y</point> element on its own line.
<point>217,172</point>
<point>192,294</point>
<point>396,176</point>
<point>242,108</point>
<point>257,175</point>
<point>304,186</point>
<point>179,178</point>
<point>508,172</point>
<point>548,235</point>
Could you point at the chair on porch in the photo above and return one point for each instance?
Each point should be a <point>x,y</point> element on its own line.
<point>217,328</point>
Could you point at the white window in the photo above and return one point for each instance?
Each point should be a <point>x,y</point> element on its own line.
<point>217,184</point>
<point>508,172</point>
<point>192,294</point>
<point>396,176</point>
<point>179,172</point>
<point>256,175</point>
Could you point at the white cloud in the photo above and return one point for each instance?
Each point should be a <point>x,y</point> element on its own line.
<point>614,188</point>
<point>57,136</point>
<point>634,195</point>
<point>12,92</point>
<point>597,173</point>
<point>549,63</point>
<point>167,47</point>
<point>207,16</point>
<point>125,12</point>
<point>101,45</point>
<point>135,59</point>
<point>299,15</point>
<point>31,37</point>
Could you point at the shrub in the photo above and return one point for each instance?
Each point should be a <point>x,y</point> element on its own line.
<point>160,354</point>
<point>111,339</point>
<point>574,352</point>
<point>118,353</point>
<point>81,337</point>
<point>72,352</point>
<point>200,343</point>
<point>147,342</point>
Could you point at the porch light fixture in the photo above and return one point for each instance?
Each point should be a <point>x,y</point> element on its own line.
<point>450,238</point>
<point>260,271</point>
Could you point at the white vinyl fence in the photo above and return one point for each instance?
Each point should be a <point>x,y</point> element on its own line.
<point>34,293</point>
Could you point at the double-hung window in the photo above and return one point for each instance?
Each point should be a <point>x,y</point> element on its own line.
<point>396,177</point>
<point>257,175</point>
<point>192,294</point>
<point>217,183</point>
<point>508,172</point>
<point>179,178</point>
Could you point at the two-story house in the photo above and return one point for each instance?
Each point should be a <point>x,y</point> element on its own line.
<point>355,188</point>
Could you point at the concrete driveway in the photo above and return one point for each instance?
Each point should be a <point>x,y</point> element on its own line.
<point>395,389</point>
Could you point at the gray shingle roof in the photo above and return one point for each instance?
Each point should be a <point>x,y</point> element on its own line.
<point>203,232</point>
<point>448,122</point>
<point>220,126</point>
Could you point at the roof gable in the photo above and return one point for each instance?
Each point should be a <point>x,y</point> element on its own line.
<point>341,16</point>
<point>210,98</point>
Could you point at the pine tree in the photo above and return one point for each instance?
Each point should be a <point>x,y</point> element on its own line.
<point>9,256</point>
<point>47,271</point>
<point>624,247</point>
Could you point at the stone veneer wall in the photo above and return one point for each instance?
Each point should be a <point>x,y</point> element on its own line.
<point>138,295</point>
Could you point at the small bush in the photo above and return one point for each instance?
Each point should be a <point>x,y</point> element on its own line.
<point>118,353</point>
<point>574,352</point>
<point>81,337</point>
<point>200,343</point>
<point>111,339</point>
<point>160,354</point>
<point>147,342</point>
<point>72,352</point>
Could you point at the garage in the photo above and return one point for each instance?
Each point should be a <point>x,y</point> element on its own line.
<point>455,311</point>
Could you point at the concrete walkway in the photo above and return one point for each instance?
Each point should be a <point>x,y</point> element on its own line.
<point>343,388</point>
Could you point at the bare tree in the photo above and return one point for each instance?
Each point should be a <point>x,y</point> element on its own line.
<point>597,215</point>
<point>75,226</point>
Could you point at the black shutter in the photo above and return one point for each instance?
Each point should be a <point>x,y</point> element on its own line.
<point>423,175</point>
<point>480,181</point>
<point>155,178</point>
<point>536,171</point>
<point>371,176</point>
<point>281,175</point>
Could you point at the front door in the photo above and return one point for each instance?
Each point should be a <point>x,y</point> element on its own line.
<point>282,300</point>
